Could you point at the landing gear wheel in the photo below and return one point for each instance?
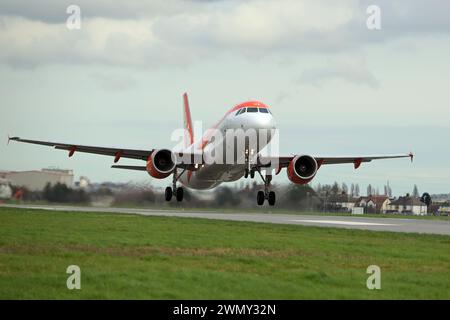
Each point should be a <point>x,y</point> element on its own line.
<point>246,173</point>
<point>168,194</point>
<point>260,198</point>
<point>252,174</point>
<point>179,194</point>
<point>271,198</point>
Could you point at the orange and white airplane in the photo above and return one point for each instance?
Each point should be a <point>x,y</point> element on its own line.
<point>226,152</point>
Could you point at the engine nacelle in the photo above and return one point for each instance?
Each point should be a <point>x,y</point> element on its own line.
<point>161,163</point>
<point>302,169</point>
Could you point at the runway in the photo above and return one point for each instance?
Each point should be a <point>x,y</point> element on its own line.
<point>426,226</point>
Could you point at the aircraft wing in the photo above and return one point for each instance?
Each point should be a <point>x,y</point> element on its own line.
<point>283,161</point>
<point>356,160</point>
<point>117,153</point>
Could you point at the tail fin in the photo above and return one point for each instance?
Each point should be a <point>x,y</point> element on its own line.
<point>188,133</point>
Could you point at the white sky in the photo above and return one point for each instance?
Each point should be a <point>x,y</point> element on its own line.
<point>334,86</point>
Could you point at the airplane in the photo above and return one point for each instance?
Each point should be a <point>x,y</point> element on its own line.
<point>191,165</point>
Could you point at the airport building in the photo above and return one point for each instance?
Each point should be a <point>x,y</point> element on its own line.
<point>36,180</point>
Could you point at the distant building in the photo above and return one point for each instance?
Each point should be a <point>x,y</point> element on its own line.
<point>407,205</point>
<point>434,208</point>
<point>357,210</point>
<point>444,209</point>
<point>36,180</point>
<point>84,183</point>
<point>5,189</point>
<point>340,203</point>
<point>373,204</point>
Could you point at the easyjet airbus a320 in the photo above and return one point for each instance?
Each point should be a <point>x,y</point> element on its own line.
<point>226,152</point>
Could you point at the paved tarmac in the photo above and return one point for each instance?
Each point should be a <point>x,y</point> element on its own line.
<point>349,222</point>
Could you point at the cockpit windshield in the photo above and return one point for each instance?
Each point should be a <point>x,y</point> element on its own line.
<point>240,111</point>
<point>253,109</point>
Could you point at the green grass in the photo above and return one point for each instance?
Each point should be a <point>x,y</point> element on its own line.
<point>129,256</point>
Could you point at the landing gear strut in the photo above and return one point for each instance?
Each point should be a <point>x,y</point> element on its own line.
<point>247,162</point>
<point>174,191</point>
<point>266,194</point>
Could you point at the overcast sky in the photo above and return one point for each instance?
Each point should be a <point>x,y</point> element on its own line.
<point>334,86</point>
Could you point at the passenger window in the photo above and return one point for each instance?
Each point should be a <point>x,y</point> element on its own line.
<point>263,110</point>
<point>252,109</point>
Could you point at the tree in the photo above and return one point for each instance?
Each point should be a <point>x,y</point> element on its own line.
<point>61,193</point>
<point>318,188</point>
<point>226,197</point>
<point>387,190</point>
<point>335,188</point>
<point>426,198</point>
<point>415,192</point>
<point>344,188</point>
<point>357,190</point>
<point>369,190</point>
<point>299,196</point>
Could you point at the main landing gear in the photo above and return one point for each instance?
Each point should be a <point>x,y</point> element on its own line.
<point>174,191</point>
<point>266,194</point>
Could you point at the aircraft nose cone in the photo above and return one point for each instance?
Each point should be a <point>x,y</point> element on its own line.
<point>264,121</point>
<point>268,122</point>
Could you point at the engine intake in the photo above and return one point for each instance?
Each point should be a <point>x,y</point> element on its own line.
<point>161,163</point>
<point>302,169</point>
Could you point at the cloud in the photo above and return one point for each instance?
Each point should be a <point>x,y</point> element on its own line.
<point>114,81</point>
<point>179,32</point>
<point>54,11</point>
<point>351,70</point>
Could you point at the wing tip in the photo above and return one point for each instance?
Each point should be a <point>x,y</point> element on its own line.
<point>12,138</point>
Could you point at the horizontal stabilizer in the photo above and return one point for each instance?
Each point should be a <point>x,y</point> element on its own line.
<point>139,168</point>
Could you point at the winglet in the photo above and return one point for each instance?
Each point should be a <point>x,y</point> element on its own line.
<point>411,155</point>
<point>12,138</point>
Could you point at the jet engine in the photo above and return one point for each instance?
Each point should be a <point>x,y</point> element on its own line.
<point>161,163</point>
<point>302,169</point>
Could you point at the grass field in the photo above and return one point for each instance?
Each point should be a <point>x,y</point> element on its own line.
<point>129,256</point>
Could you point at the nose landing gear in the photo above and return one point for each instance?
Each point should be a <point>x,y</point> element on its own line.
<point>249,168</point>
